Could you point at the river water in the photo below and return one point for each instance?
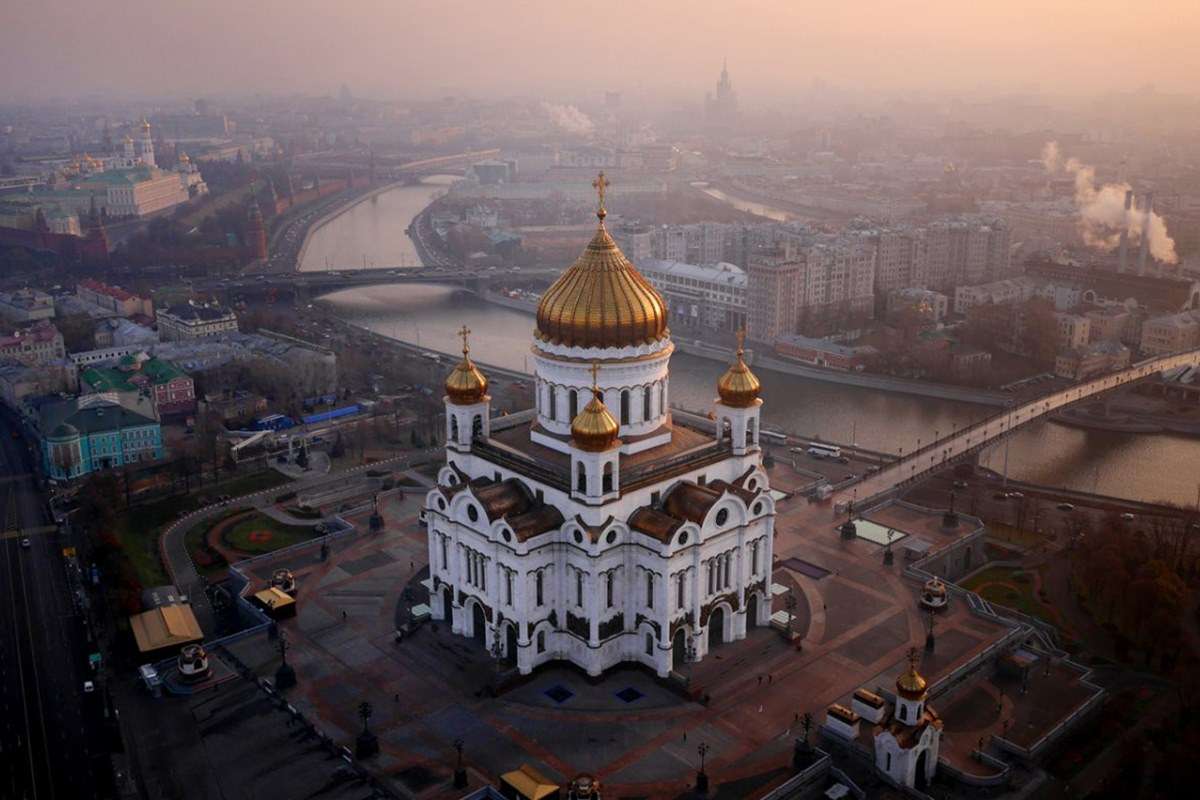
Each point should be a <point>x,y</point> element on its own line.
<point>1137,466</point>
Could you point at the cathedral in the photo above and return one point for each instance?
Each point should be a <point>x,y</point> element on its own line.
<point>597,528</point>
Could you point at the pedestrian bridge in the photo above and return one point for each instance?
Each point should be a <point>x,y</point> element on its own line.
<point>968,442</point>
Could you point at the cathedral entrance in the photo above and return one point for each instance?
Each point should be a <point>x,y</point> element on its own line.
<point>478,624</point>
<point>679,649</point>
<point>510,643</point>
<point>752,611</point>
<point>716,627</point>
<point>444,596</point>
<point>919,779</point>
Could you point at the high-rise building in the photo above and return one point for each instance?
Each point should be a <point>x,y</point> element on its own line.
<point>772,282</point>
<point>722,107</point>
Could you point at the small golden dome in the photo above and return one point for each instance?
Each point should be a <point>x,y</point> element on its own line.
<point>911,685</point>
<point>184,158</point>
<point>145,125</point>
<point>739,387</point>
<point>594,429</point>
<point>466,385</point>
<point>601,300</point>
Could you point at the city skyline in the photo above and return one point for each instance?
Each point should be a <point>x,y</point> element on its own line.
<point>775,49</point>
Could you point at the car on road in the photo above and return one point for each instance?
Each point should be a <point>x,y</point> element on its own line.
<point>1000,496</point>
<point>1016,495</point>
<point>1127,516</point>
<point>960,484</point>
<point>26,543</point>
<point>1065,506</point>
<point>88,687</point>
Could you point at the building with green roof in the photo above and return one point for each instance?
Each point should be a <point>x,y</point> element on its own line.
<point>170,389</point>
<point>96,432</point>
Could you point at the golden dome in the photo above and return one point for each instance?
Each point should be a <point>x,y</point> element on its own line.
<point>466,385</point>
<point>594,429</point>
<point>184,158</point>
<point>739,387</point>
<point>145,125</point>
<point>601,300</point>
<point>911,685</point>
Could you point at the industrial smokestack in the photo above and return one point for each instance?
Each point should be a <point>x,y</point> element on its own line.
<point>1123,259</point>
<point>1145,248</point>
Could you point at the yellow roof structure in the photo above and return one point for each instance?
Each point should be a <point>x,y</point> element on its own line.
<point>594,429</point>
<point>274,598</point>
<point>601,300</point>
<point>466,385</point>
<point>739,387</point>
<point>166,626</point>
<point>529,783</point>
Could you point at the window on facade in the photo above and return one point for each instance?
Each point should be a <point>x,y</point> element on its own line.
<point>607,478</point>
<point>646,403</point>
<point>541,641</point>
<point>649,644</point>
<point>728,562</point>
<point>649,590</point>
<point>574,404</point>
<point>754,558</point>
<point>679,592</point>
<point>482,576</point>
<point>538,581</point>
<point>581,480</point>
<point>553,404</point>
<point>445,553</point>
<point>608,589</point>
<point>508,580</point>
<point>579,589</point>
<point>888,768</point>
<point>710,577</point>
<point>903,712</point>
<point>625,407</point>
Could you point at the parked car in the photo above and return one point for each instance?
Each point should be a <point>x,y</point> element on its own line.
<point>960,484</point>
<point>1127,516</point>
<point>1065,506</point>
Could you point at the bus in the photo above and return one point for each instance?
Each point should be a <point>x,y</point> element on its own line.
<point>773,436</point>
<point>818,450</point>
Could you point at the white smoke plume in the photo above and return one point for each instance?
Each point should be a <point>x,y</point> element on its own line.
<point>1102,213</point>
<point>569,118</point>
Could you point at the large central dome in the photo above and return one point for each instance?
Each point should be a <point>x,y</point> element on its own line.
<point>601,301</point>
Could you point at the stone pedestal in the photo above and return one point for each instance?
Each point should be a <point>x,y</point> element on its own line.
<point>376,522</point>
<point>460,778</point>
<point>702,784</point>
<point>849,530</point>
<point>285,677</point>
<point>366,745</point>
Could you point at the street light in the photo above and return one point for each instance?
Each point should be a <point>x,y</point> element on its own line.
<point>460,774</point>
<point>701,776</point>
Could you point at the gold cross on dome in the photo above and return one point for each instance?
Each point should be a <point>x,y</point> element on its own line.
<point>741,338</point>
<point>912,658</point>
<point>595,372</point>
<point>463,333</point>
<point>601,185</point>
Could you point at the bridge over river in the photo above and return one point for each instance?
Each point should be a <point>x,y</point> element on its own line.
<point>313,284</point>
<point>968,442</point>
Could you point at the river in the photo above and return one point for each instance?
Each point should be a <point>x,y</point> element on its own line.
<point>1137,466</point>
<point>371,233</point>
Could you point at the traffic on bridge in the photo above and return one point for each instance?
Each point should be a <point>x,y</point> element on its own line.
<point>969,441</point>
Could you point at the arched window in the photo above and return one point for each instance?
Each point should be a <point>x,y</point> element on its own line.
<point>574,404</point>
<point>607,481</point>
<point>608,588</point>
<point>750,431</point>
<point>646,415</point>
<point>625,407</point>
<point>454,428</point>
<point>662,397</point>
<point>539,583</point>
<point>581,479</point>
<point>541,641</point>
<point>649,644</point>
<point>477,426</point>
<point>553,404</point>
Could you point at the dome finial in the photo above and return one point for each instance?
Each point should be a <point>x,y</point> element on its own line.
<point>463,333</point>
<point>739,387</point>
<point>601,185</point>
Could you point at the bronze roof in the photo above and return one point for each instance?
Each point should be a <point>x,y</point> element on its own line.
<point>690,501</point>
<point>654,523</point>
<point>507,498</point>
<point>534,522</point>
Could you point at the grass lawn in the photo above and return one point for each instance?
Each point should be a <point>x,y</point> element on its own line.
<point>1011,587</point>
<point>139,527</point>
<point>1014,535</point>
<point>258,533</point>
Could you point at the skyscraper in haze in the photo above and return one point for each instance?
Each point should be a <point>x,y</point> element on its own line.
<point>721,109</point>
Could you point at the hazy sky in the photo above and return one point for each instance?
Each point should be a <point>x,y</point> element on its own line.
<point>572,48</point>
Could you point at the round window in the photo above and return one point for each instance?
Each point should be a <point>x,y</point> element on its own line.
<point>451,479</point>
<point>758,508</point>
<point>683,537</point>
<point>611,538</point>
<point>473,513</point>
<point>441,504</point>
<point>578,537</point>
<point>507,535</point>
<point>722,516</point>
<point>751,484</point>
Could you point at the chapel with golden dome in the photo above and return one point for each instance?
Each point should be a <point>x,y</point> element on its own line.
<point>601,526</point>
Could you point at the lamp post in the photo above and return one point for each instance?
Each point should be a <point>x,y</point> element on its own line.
<point>285,676</point>
<point>367,744</point>
<point>702,776</point>
<point>460,774</point>
<point>929,642</point>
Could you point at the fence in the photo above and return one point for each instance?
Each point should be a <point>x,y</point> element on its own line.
<point>795,783</point>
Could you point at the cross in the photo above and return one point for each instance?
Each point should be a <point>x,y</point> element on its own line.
<point>741,339</point>
<point>464,332</point>
<point>601,184</point>
<point>912,658</point>
<point>595,370</point>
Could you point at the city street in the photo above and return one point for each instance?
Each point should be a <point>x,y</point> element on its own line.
<point>49,726</point>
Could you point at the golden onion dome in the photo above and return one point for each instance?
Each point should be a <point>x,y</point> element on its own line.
<point>184,158</point>
<point>466,385</point>
<point>601,300</point>
<point>594,429</point>
<point>911,685</point>
<point>145,124</point>
<point>739,387</point>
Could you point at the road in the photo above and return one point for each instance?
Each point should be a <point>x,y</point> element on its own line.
<point>48,727</point>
